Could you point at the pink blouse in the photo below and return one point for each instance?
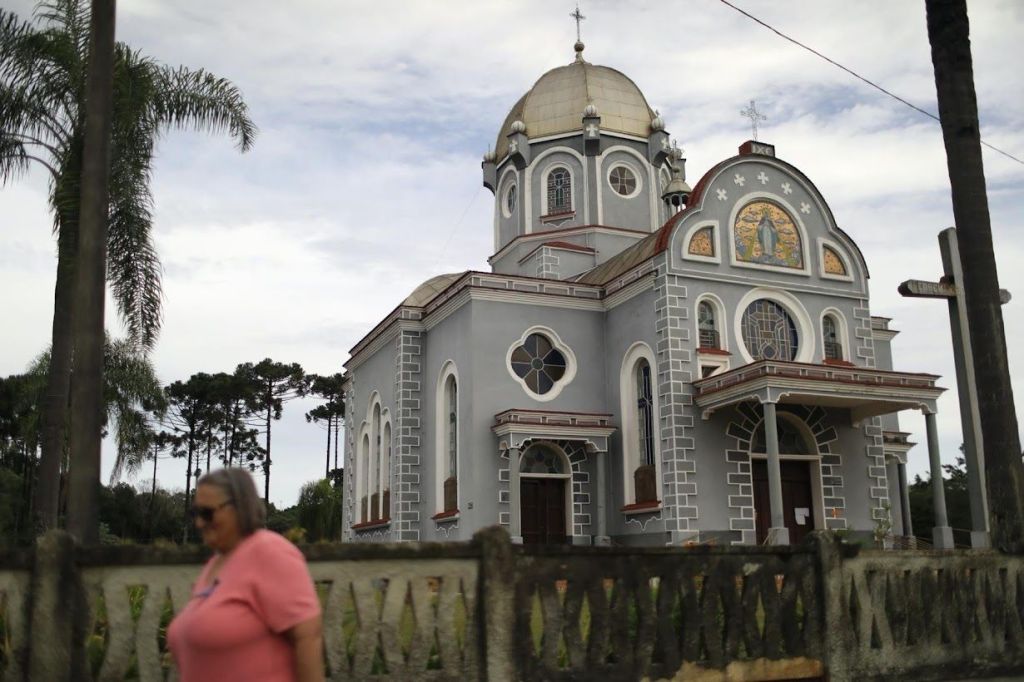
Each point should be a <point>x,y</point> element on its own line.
<point>235,628</point>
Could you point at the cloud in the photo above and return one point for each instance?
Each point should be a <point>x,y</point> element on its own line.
<point>373,118</point>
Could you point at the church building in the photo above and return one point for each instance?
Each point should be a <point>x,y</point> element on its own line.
<point>646,363</point>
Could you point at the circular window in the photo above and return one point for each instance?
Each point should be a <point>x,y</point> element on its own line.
<point>623,181</point>
<point>538,363</point>
<point>510,201</point>
<point>769,331</point>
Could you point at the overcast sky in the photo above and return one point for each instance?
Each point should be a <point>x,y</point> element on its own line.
<point>365,178</point>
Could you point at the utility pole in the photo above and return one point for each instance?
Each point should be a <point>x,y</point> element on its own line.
<point>948,33</point>
<point>91,282</point>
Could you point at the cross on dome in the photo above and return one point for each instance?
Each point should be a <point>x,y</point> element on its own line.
<point>754,115</point>
<point>578,17</point>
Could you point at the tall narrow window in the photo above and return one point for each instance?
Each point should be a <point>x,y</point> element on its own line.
<point>374,473</point>
<point>451,484</point>
<point>364,478</point>
<point>833,349</point>
<point>706,327</point>
<point>559,191</point>
<point>385,475</point>
<point>644,476</point>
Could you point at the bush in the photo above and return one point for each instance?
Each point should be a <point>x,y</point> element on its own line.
<point>319,511</point>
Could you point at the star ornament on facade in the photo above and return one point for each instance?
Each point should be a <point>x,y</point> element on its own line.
<point>805,207</point>
<point>722,195</point>
<point>763,178</point>
<point>787,188</point>
<point>739,180</point>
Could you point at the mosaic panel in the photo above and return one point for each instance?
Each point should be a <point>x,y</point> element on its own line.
<point>765,234</point>
<point>702,244</point>
<point>833,263</point>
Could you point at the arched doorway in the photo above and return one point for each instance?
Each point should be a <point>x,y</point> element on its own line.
<point>544,477</point>
<point>800,474</point>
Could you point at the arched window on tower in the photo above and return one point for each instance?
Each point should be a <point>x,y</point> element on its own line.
<point>830,335</point>
<point>559,191</point>
<point>451,482</point>
<point>706,326</point>
<point>644,478</point>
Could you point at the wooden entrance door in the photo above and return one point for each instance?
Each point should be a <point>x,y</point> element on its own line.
<point>542,504</point>
<point>797,498</point>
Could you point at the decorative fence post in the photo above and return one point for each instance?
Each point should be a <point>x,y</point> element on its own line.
<point>836,636</point>
<point>497,604</point>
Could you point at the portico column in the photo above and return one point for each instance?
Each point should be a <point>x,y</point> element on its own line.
<point>942,534</point>
<point>602,495</point>
<point>901,475</point>
<point>514,513</point>
<point>778,534</point>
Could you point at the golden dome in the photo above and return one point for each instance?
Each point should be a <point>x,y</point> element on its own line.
<point>556,102</point>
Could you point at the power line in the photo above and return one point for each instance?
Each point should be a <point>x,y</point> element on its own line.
<point>856,75</point>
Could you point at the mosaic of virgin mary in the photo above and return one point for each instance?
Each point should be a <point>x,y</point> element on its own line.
<point>765,234</point>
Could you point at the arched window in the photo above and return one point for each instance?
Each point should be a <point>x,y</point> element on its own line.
<point>385,474</point>
<point>374,472</point>
<point>364,480</point>
<point>639,426</point>
<point>451,444</point>
<point>769,331</point>
<point>559,191</point>
<point>706,326</point>
<point>830,335</point>
<point>791,439</point>
<point>644,478</point>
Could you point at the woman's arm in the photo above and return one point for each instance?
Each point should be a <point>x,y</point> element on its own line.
<point>307,637</point>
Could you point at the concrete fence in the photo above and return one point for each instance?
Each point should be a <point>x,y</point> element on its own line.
<point>491,610</point>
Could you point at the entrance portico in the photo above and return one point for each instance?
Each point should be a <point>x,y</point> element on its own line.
<point>543,456</point>
<point>864,393</point>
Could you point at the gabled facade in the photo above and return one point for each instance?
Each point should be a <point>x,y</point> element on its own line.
<point>645,364</point>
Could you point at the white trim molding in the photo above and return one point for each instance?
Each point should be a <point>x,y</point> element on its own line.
<point>448,370</point>
<point>628,417</point>
<point>806,332</point>
<point>561,347</point>
<point>798,222</point>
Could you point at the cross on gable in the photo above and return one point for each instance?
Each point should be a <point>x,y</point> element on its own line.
<point>591,130</point>
<point>754,115</point>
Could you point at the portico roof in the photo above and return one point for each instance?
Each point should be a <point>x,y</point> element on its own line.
<point>514,427</point>
<point>865,392</point>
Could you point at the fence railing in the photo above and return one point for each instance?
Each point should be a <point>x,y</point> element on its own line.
<point>490,610</point>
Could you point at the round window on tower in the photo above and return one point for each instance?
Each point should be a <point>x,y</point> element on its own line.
<point>624,181</point>
<point>509,207</point>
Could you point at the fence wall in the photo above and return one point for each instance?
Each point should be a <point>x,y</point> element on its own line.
<point>489,610</point>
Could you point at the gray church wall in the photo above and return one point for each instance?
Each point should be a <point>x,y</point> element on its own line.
<point>633,211</point>
<point>451,340</point>
<point>628,323</point>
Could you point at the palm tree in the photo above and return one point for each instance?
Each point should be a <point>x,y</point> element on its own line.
<point>131,391</point>
<point>43,69</point>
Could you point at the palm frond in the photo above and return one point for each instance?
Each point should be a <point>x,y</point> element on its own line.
<point>198,99</point>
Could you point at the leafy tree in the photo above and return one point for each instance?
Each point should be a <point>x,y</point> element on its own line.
<point>43,71</point>
<point>319,510</point>
<point>958,503</point>
<point>277,383</point>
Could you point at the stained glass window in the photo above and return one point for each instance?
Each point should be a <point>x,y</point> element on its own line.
<point>833,349</point>
<point>541,460</point>
<point>538,363</point>
<point>622,180</point>
<point>559,191</point>
<point>791,440</point>
<point>769,332</point>
<point>706,327</point>
<point>645,411</point>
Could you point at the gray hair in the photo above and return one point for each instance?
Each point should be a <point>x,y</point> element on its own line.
<point>240,489</point>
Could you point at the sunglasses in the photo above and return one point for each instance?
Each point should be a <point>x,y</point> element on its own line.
<point>206,513</point>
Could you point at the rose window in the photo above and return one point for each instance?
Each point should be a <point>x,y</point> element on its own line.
<point>769,332</point>
<point>538,363</point>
